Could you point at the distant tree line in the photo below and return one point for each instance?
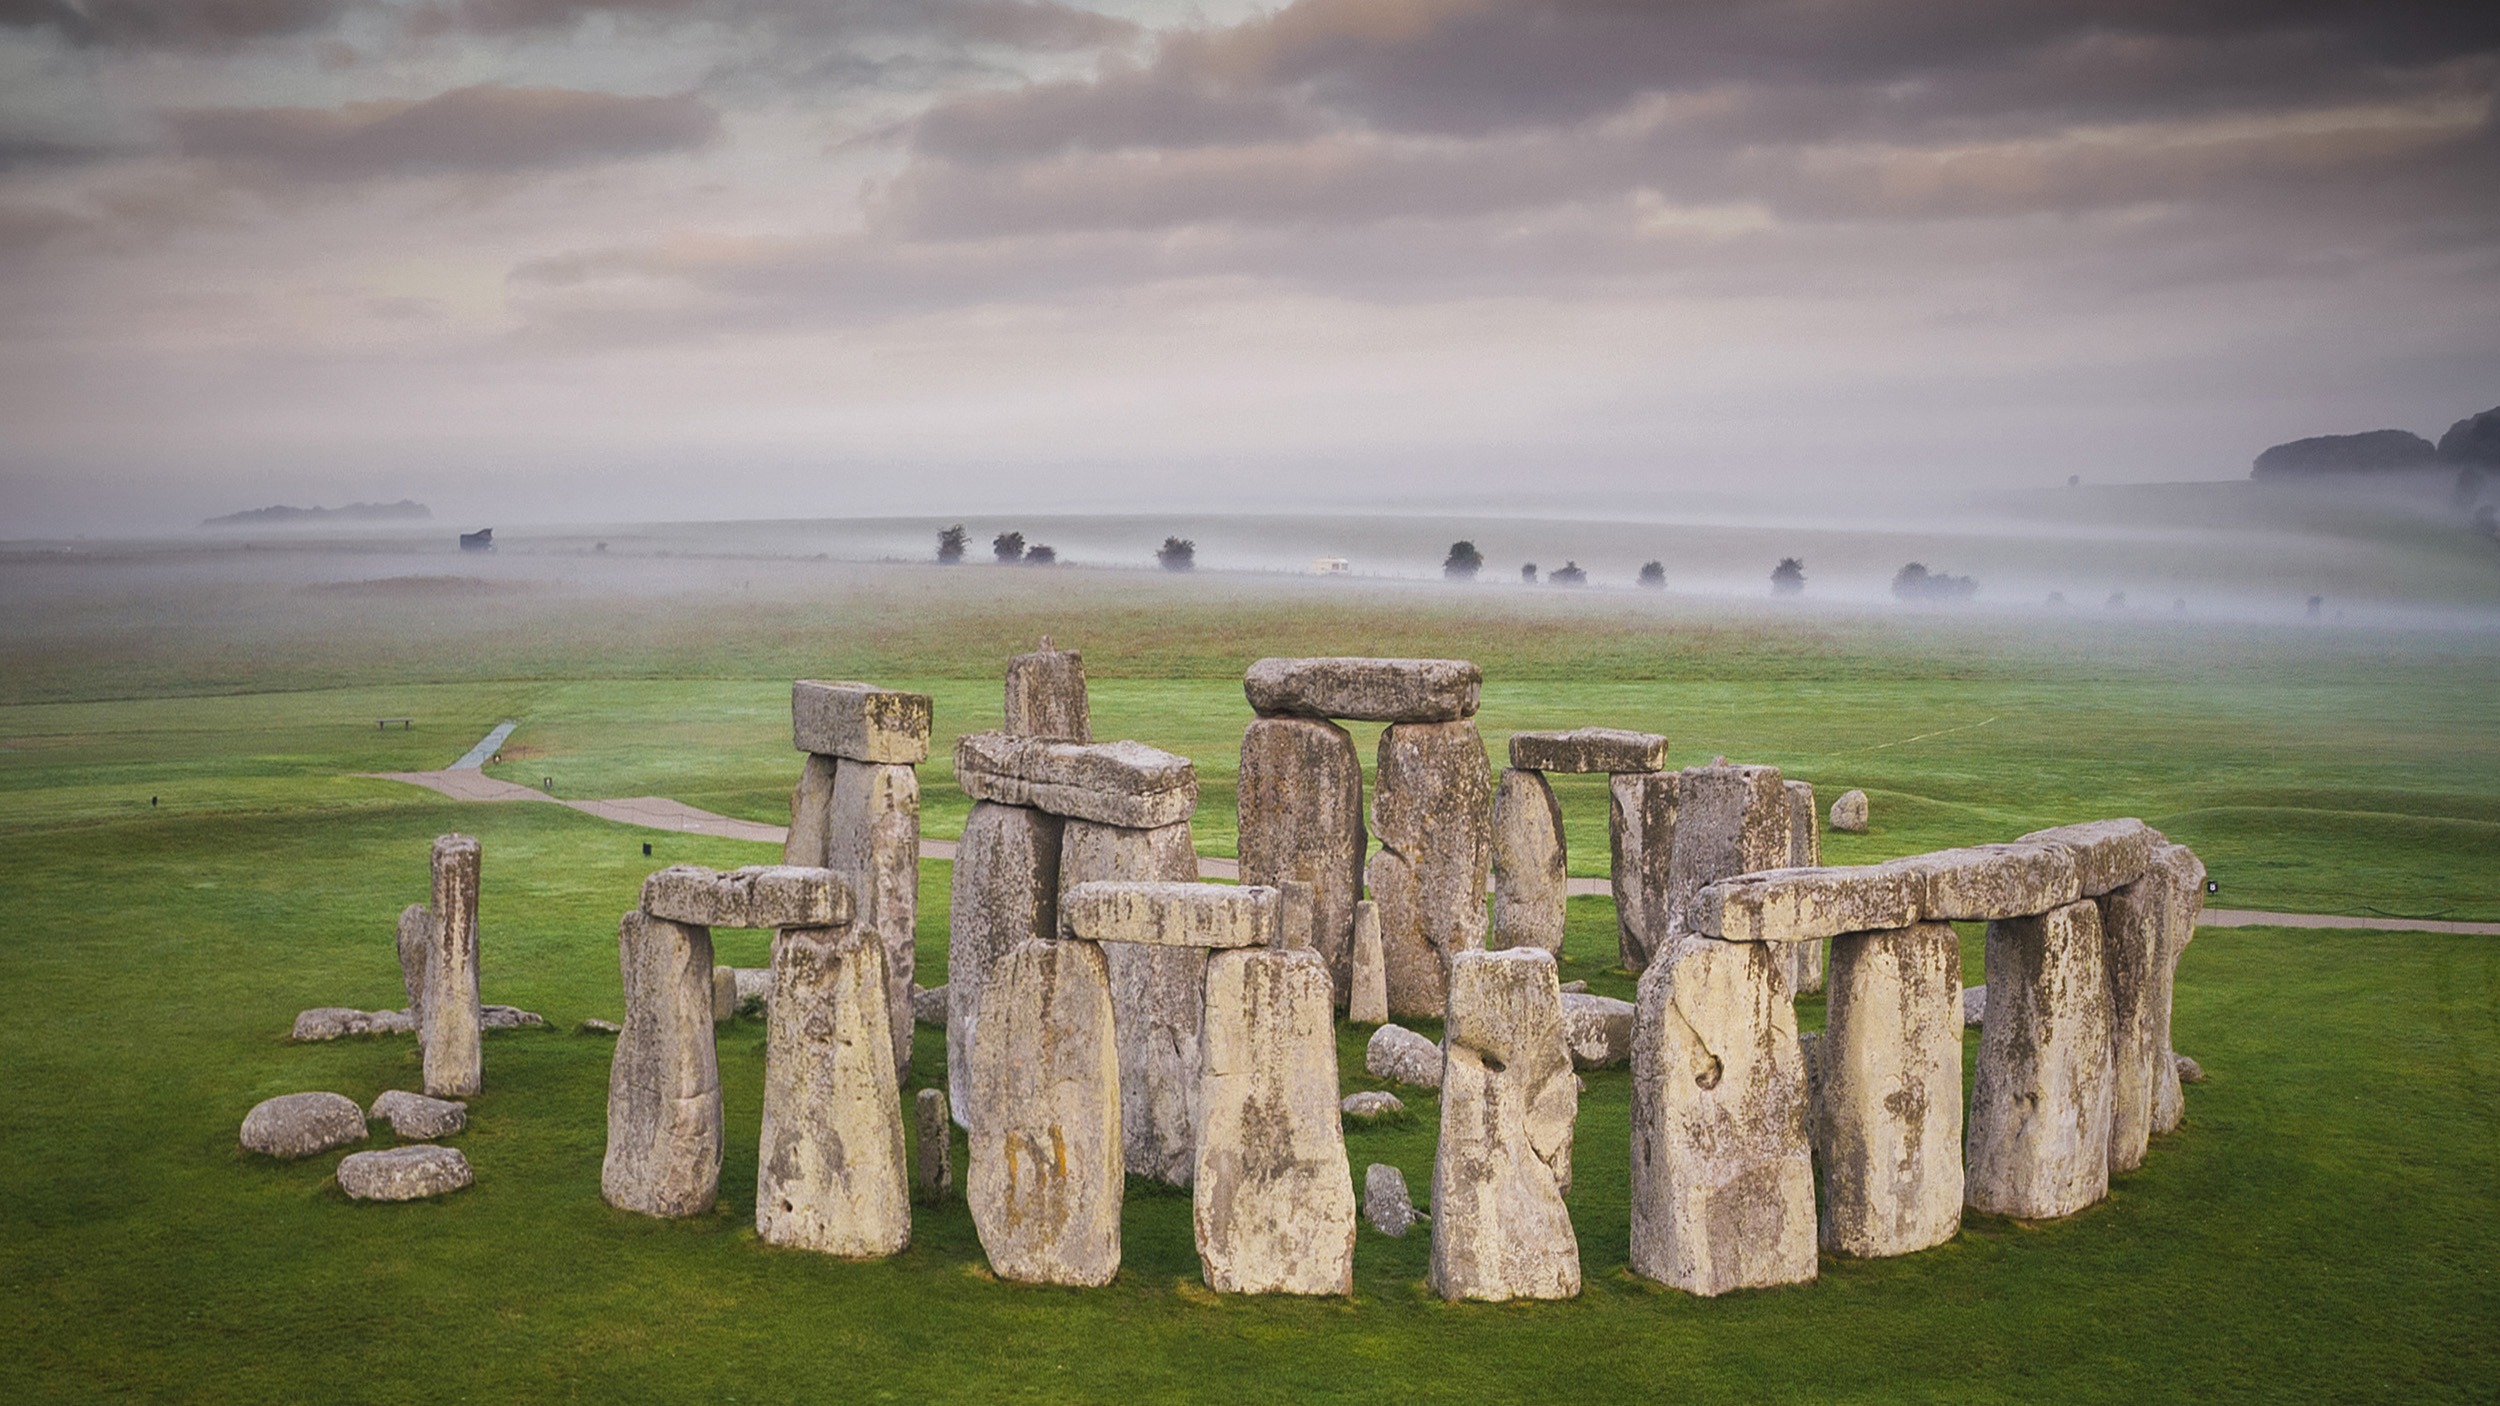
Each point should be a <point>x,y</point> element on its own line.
<point>1010,549</point>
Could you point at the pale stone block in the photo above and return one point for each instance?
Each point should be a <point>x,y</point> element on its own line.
<point>724,994</point>
<point>664,1105</point>
<point>1044,1183</point>
<point>1849,813</point>
<point>872,844</point>
<point>830,1174</point>
<point>1386,1201</point>
<point>928,1005</point>
<point>1500,1229</point>
<point>1805,851</point>
<point>1273,1197</point>
<point>1432,811</point>
<point>1046,695</point>
<point>1598,1029</point>
<point>1005,891</point>
<point>1974,1007</point>
<point>2141,927</point>
<point>2188,891</point>
<point>860,722</point>
<point>1300,809</point>
<point>1297,913</point>
<point>1528,863</point>
<point>1640,825</point>
<point>1163,914</point>
<point>1988,882</point>
<point>1888,1102</point>
<point>1127,784</point>
<point>1368,690</point>
<point>337,1022</point>
<point>1371,1104</point>
<point>1402,1056</point>
<point>403,1173</point>
<point>455,1059</point>
<point>811,812</point>
<point>1588,750</point>
<point>296,1126</point>
<point>1729,820</point>
<point>2108,853</point>
<point>1367,993</point>
<point>1803,905</point>
<point>2040,1101</point>
<point>1157,995</point>
<point>758,896</point>
<point>933,1165</point>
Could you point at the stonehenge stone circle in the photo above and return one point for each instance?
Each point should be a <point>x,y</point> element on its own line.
<point>1157,995</point>
<point>860,722</point>
<point>1045,1176</point>
<point>872,843</point>
<point>1849,813</point>
<point>1128,784</point>
<point>664,1106</point>
<point>1386,1202</point>
<point>2040,1100</point>
<point>420,1118</point>
<point>1046,695</point>
<point>933,1161</point>
<point>296,1126</point>
<point>1640,827</point>
<point>1528,862</point>
<point>1500,1229</point>
<point>1365,690</point>
<point>448,1029</point>
<point>1401,1056</point>
<point>408,1173</point>
<point>1588,750</point>
<point>1300,812</point>
<point>758,896</point>
<point>1888,1099</point>
<point>1432,814</point>
<point>1165,914</point>
<point>1005,891</point>
<point>1367,994</point>
<point>830,1173</point>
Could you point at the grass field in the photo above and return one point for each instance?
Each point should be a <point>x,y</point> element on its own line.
<point>2323,1227</point>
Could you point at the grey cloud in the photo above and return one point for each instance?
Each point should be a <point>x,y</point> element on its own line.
<point>194,24</point>
<point>1026,24</point>
<point>486,128</point>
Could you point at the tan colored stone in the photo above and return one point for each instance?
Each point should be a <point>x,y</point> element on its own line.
<point>1803,905</point>
<point>2140,928</point>
<point>1045,1176</point>
<point>1274,1198</point>
<point>1367,994</point>
<point>830,1174</point>
<point>1046,696</point>
<point>1849,813</point>
<point>1005,891</point>
<point>2040,1102</point>
<point>1500,1229</point>
<point>1369,1104</point>
<point>860,722</point>
<point>296,1126</point>
<point>758,896</point>
<point>1165,914</point>
<point>1640,826</point>
<point>1805,851</point>
<point>1368,690</point>
<point>1297,914</point>
<point>928,1005</point>
<point>2188,891</point>
<point>1598,1029</point>
<point>1300,810</point>
<point>664,1106</point>
<point>455,1060</point>
<point>416,946</point>
<point>1128,784</point>
<point>1888,1102</point>
<point>337,1022</point>
<point>1987,882</point>
<point>724,994</point>
<point>1588,750</point>
<point>403,1173</point>
<point>2108,853</point>
<point>1729,820</point>
<point>1402,1056</point>
<point>872,843</point>
<point>1157,995</point>
<point>811,812</point>
<point>1528,863</point>
<point>1432,811</point>
<point>933,1164</point>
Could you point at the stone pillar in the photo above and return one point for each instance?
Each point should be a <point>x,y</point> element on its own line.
<point>454,1058</point>
<point>830,1173</point>
<point>1157,994</point>
<point>1274,1196</point>
<point>416,950</point>
<point>872,843</point>
<point>811,812</point>
<point>1889,1109</point>
<point>1805,851</point>
<point>1528,863</point>
<point>664,1109</point>
<point>1046,695</point>
<point>2039,1108</point>
<point>1367,1002</point>
<point>1500,1229</point>
<point>1006,890</point>
<point>1722,1170</point>
<point>1301,818</point>
<point>2140,927</point>
<point>2188,892</point>
<point>1640,825</point>
<point>1044,1183</point>
<point>1729,820</point>
<point>1433,814</point>
<point>933,1165</point>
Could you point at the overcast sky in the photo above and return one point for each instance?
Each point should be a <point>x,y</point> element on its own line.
<point>750,258</point>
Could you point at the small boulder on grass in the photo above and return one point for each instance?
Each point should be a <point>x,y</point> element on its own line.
<point>409,1173</point>
<point>1386,1203</point>
<point>295,1126</point>
<point>1974,1006</point>
<point>1372,1103</point>
<point>418,1117</point>
<point>1402,1056</point>
<point>1849,812</point>
<point>2190,1072</point>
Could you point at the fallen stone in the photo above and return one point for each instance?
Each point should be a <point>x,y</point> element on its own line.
<point>1045,1178</point>
<point>416,1116</point>
<point>508,1018</point>
<point>404,1173</point>
<point>1159,914</point>
<point>295,1126</point>
<point>1974,1006</point>
<point>830,1172</point>
<point>2189,1071</point>
<point>664,1105</point>
<point>1432,812</point>
<point>1401,1056</point>
<point>928,1005</point>
<point>758,896</point>
<point>1386,1203</point>
<point>1528,863</point>
<point>1367,690</point>
<point>1005,891</point>
<point>447,1028</point>
<point>859,722</point>
<point>1571,987</point>
<point>1987,882</point>
<point>1640,830</point>
<point>1274,1202</point>
<point>1367,991</point>
<point>933,1147</point>
<point>1729,820</point>
<point>1371,1103</point>
<point>596,1026</point>
<point>2040,1099</point>
<point>1888,1096</point>
<point>872,844</point>
<point>811,812</point>
<point>1588,749</point>
<point>1500,1229</point>
<point>1157,996</point>
<point>1046,695</point>
<point>2108,854</point>
<point>1805,851</point>
<point>1803,905</point>
<point>1300,813</point>
<point>1849,813</point>
<point>1598,1029</point>
<point>1128,784</point>
<point>336,1022</point>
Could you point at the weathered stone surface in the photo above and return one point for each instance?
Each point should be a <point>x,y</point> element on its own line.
<point>1368,690</point>
<point>1528,863</point>
<point>416,1116</point>
<point>1500,1229</point>
<point>1729,820</point>
<point>447,1024</point>
<point>1006,891</point>
<point>664,1109</point>
<point>1640,827</point>
<point>1300,811</point>
<point>1046,696</point>
<point>300,1125</point>
<point>493,1017</point>
<point>860,722</point>
<point>811,812</point>
<point>1588,749</point>
<point>1164,914</point>
<point>1974,1006</point>
<point>758,896</point>
<point>1402,1056</point>
<point>830,1173</point>
<point>2143,925</point>
<point>1386,1202</point>
<point>1574,986</point>
<point>2188,1070</point>
<point>404,1173</point>
<point>1888,1099</point>
<point>1432,811</point>
<point>754,984</point>
<point>1111,783</point>
<point>2108,853</point>
<point>416,945</point>
<point>1598,1029</point>
<point>1274,1199</point>
<point>1157,995</point>
<point>1297,913</point>
<point>595,1026</point>
<point>334,1022</point>
<point>933,1147</point>
<point>1849,812</point>
<point>1805,851</point>
<point>872,843</point>
<point>2039,1107</point>
<point>724,994</point>
<point>1987,882</point>
<point>928,1005</point>
<point>2188,888</point>
<point>1722,1170</point>
<point>1371,1103</point>
<point>1803,905</point>
<point>1045,1176</point>
<point>1367,991</point>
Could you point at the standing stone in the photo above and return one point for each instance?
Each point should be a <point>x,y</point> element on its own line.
<point>1805,851</point>
<point>1849,813</point>
<point>724,994</point>
<point>1433,814</point>
<point>1157,994</point>
<point>933,1162</point>
<point>1301,818</point>
<point>454,1060</point>
<point>1722,1169</point>
<point>2039,1107</point>
<point>1367,995</point>
<point>873,844</point>
<point>1045,1177</point>
<point>1729,820</point>
<point>830,1174</point>
<point>1500,1229</point>
<point>664,1110</point>
<point>1046,695</point>
<point>2143,925</point>
<point>1889,1107</point>
<point>1386,1203</point>
<point>1005,891</point>
<point>811,812</point>
<point>1297,915</point>
<point>1640,826</point>
<point>2188,891</point>
<point>416,946</point>
<point>1528,863</point>
<point>1274,1198</point>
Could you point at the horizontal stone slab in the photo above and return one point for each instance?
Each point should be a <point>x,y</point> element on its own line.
<point>860,721</point>
<point>2109,854</point>
<point>1589,750</point>
<point>1128,784</point>
<point>1803,905</point>
<point>1170,915</point>
<point>758,896</point>
<point>1989,882</point>
<point>1366,690</point>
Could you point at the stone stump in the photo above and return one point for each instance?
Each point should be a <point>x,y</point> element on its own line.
<point>872,842</point>
<point>1433,814</point>
<point>1044,1183</point>
<point>2188,891</point>
<point>1640,827</point>
<point>1274,1196</point>
<point>830,1174</point>
<point>1500,1229</point>
<point>1528,863</point>
<point>664,1106</point>
<point>1805,851</point>
<point>454,1056</point>
<point>1367,998</point>
<point>1157,994</point>
<point>1301,819</point>
<point>1889,1106</point>
<point>1046,695</point>
<point>2040,1101</point>
<point>1006,891</point>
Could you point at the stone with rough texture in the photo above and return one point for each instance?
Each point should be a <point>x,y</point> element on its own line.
<point>404,1173</point>
<point>1157,994</point>
<point>1046,696</point>
<point>2188,1070</point>
<point>416,1116</point>
<point>754,984</point>
<point>1640,830</point>
<point>1805,851</point>
<point>1386,1202</point>
<point>757,896</point>
<point>596,1026</point>
<point>1005,891</point>
<point>1802,905</point>
<point>664,1105</point>
<point>830,1172</point>
<point>493,1017</point>
<point>1366,690</point>
<point>811,811</point>
<point>1974,1006</point>
<point>1367,988</point>
<point>1729,820</point>
<point>1371,1103</point>
<point>1432,812</point>
<point>334,1022</point>
<point>1273,1200</point>
<point>2143,926</point>
<point>1588,750</point>
<point>724,994</point>
<point>1598,1029</point>
<point>416,942</point>
<point>872,843</point>
<point>2188,888</point>
<point>2039,1104</point>
<point>2108,854</point>
<point>1165,914</point>
<point>1500,1229</point>
<point>933,1147</point>
<point>1401,1056</point>
<point>1888,1097</point>
<point>1045,1176</point>
<point>1297,914</point>
<point>1986,882</point>
<point>1300,812</point>
<point>928,1005</point>
<point>447,1024</point>
<point>1722,1167</point>
<point>1111,783</point>
<point>1849,813</point>
<point>1528,863</point>
<point>295,1126</point>
<point>860,722</point>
